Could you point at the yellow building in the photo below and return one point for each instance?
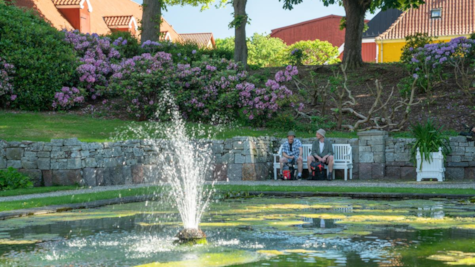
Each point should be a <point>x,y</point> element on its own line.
<point>443,20</point>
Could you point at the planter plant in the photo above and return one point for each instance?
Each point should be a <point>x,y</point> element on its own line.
<point>429,150</point>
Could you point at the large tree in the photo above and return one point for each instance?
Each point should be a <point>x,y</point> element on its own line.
<point>355,12</point>
<point>239,24</point>
<point>152,15</point>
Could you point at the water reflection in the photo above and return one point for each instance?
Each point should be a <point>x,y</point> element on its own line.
<point>270,231</point>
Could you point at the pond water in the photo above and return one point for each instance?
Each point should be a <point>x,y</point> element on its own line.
<point>315,231</point>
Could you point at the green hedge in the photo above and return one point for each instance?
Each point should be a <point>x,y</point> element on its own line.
<point>43,61</point>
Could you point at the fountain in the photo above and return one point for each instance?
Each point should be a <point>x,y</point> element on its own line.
<point>184,163</point>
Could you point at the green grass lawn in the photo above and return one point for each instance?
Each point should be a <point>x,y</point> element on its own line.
<point>42,202</point>
<point>30,126</point>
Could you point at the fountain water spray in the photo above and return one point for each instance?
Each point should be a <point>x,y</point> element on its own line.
<point>185,161</point>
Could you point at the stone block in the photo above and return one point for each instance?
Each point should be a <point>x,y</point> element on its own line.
<point>57,142</point>
<point>58,155</point>
<point>14,153</point>
<point>43,154</point>
<point>393,172</point>
<point>235,172</point>
<point>153,174</point>
<point>379,157</point>
<point>390,157</point>
<point>365,148</point>
<point>458,150</point>
<point>378,170</point>
<point>90,176</point>
<point>127,174</point>
<point>47,148</point>
<point>366,157</point>
<point>74,164</point>
<point>456,158</point>
<point>255,172</point>
<point>72,142</point>
<point>14,163</point>
<point>26,164</point>
<point>365,171</point>
<point>469,174</point>
<point>44,163</point>
<point>138,152</point>
<point>402,157</point>
<point>239,159</point>
<point>457,164</point>
<point>47,177</point>
<point>454,173</point>
<point>113,176</point>
<point>408,173</point>
<point>110,162</point>
<point>3,163</point>
<point>59,164</point>
<point>217,148</point>
<point>137,174</point>
<point>238,145</point>
<point>67,177</point>
<point>220,172</point>
<point>378,148</point>
<point>91,163</point>
<point>470,149</point>
<point>458,139</point>
<point>35,176</point>
<point>251,159</point>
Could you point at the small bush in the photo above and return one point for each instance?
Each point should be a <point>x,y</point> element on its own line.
<point>43,62</point>
<point>315,52</point>
<point>12,179</point>
<point>428,139</point>
<point>412,43</point>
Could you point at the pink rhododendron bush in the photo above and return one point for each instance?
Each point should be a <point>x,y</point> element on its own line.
<point>203,88</point>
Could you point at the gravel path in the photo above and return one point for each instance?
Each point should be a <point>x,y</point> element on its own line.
<point>382,184</point>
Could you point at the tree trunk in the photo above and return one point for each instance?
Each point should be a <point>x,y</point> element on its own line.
<point>355,11</point>
<point>240,21</point>
<point>151,20</point>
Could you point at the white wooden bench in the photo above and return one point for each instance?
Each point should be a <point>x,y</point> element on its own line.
<point>342,158</point>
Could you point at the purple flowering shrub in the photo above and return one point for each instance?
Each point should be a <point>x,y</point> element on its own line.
<point>427,63</point>
<point>202,91</point>
<point>263,103</point>
<point>140,81</point>
<point>6,80</point>
<point>96,55</point>
<point>68,98</point>
<point>208,89</point>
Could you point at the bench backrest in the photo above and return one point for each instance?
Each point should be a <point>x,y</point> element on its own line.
<point>341,152</point>
<point>307,148</point>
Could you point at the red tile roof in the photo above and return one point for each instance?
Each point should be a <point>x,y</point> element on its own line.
<point>201,39</point>
<point>118,21</point>
<point>67,2</point>
<point>457,18</point>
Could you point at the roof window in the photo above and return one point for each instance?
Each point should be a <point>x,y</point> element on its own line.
<point>435,14</point>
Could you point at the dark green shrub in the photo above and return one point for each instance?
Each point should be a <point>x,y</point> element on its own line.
<point>428,139</point>
<point>44,62</point>
<point>12,179</point>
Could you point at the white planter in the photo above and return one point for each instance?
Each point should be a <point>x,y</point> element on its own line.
<point>433,170</point>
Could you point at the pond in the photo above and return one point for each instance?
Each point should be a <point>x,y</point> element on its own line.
<point>318,231</point>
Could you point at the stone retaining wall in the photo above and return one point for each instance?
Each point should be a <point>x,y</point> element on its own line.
<point>69,161</point>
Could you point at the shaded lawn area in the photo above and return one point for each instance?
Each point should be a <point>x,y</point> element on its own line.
<point>31,126</point>
<point>42,202</point>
